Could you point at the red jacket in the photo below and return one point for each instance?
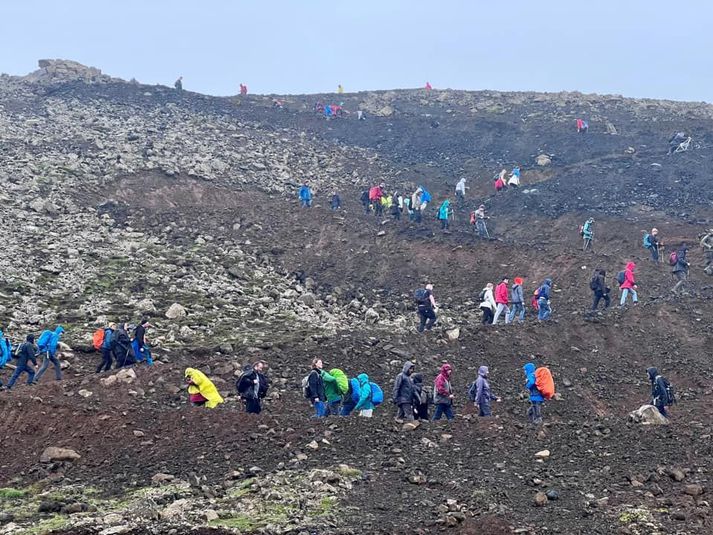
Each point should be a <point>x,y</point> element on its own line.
<point>501,293</point>
<point>629,280</point>
<point>442,384</point>
<point>375,193</point>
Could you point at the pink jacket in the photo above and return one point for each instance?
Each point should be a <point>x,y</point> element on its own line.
<point>501,293</point>
<point>629,280</point>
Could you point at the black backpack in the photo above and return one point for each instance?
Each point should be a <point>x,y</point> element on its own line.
<point>668,395</point>
<point>472,391</point>
<point>594,283</point>
<point>421,296</point>
<point>621,277</point>
<point>482,294</point>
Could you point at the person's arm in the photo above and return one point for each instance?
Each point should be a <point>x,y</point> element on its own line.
<point>327,377</point>
<point>478,390</point>
<point>433,300</point>
<point>313,385</point>
<point>364,392</point>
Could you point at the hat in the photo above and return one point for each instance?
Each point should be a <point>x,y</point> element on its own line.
<point>518,280</point>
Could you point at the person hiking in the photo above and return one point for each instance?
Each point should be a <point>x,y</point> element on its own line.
<point>443,393</point>
<point>515,177</point>
<point>332,393</point>
<point>178,84</point>
<point>365,201</point>
<point>599,288</point>
<point>142,351</point>
<point>487,304</point>
<point>305,195</point>
<point>106,348</point>
<point>588,233</point>
<point>426,308</point>
<point>500,183</point>
<point>675,140</point>
<point>375,194</point>
<point>315,389</point>
<point>348,401</point>
<point>397,203</point>
<point>365,405</point>
<point>582,126</point>
<point>201,390</point>
<point>386,203</point>
<point>628,285</point>
<point>460,191</point>
<point>534,413</point>
<point>445,212</point>
<point>121,347</point>
<point>661,391</point>
<point>403,393</point>
<point>26,360</point>
<point>340,89</point>
<point>252,386</point>
<point>243,89</point>
<point>653,244</point>
<point>336,202</point>
<point>518,301</point>
<point>422,397</point>
<point>501,301</point>
<point>416,204</point>
<point>483,394</point>
<point>429,87</point>
<point>680,267</point>
<point>544,309</point>
<point>478,218</point>
<point>47,345</point>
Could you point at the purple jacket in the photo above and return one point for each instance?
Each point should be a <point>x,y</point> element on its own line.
<point>483,395</point>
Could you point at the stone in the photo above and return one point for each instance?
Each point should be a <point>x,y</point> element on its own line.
<point>126,375</point>
<point>676,474</point>
<point>411,426</point>
<point>175,510</point>
<point>543,160</point>
<point>85,393</point>
<point>162,478</point>
<point>540,499</point>
<point>544,454</point>
<point>648,415</point>
<point>453,334</point>
<point>693,490</point>
<point>313,445</point>
<point>176,311</point>
<point>115,530</point>
<point>552,495</point>
<point>308,299</point>
<point>53,454</point>
<point>210,515</point>
<point>108,381</point>
<point>371,315</point>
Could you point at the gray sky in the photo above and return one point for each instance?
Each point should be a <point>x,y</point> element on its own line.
<point>647,48</point>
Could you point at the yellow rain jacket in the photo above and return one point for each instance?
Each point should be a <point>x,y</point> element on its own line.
<point>203,386</point>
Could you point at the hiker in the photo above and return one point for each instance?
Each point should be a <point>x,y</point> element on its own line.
<point>365,201</point>
<point>348,399</point>
<point>386,203</point>
<point>652,243</point>
<point>106,348</point>
<point>305,195</point>
<point>478,218</point>
<point>544,310</point>
<point>443,393</point>
<point>416,204</point>
<point>26,360</point>
<point>487,304</point>
<point>534,413</point>
<point>315,389</point>
<point>243,89</point>
<point>252,386</point>
<point>502,301</point>
<point>360,115</point>
<point>582,126</point>
<point>340,89</point>
<point>483,395</point>
<point>425,198</point>
<point>514,177</point>
<point>518,301</point>
<point>375,194</point>
<point>365,405</point>
<point>445,212</point>
<point>661,391</point>
<point>500,183</point>
<point>142,351</point>
<point>422,397</point>
<point>680,267</point>
<point>397,203</point>
<point>332,392</point>
<point>47,345</point>
<point>460,191</point>
<point>588,233</point>
<point>121,347</point>
<point>403,393</point>
<point>628,284</point>
<point>676,139</point>
<point>429,87</point>
<point>426,308</point>
<point>178,84</point>
<point>599,288</point>
<point>336,202</point>
<point>5,350</point>
<point>201,390</point>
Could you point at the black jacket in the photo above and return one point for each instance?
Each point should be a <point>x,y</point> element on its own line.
<point>121,347</point>
<point>26,352</point>
<point>316,385</point>
<point>403,386</point>
<point>248,389</point>
<point>599,285</point>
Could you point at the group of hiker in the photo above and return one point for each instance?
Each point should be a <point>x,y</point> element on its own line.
<point>118,347</point>
<point>509,302</point>
<point>26,353</point>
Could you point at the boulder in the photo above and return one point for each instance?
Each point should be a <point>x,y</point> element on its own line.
<point>648,415</point>
<point>453,334</point>
<point>371,315</point>
<point>308,299</point>
<point>126,375</point>
<point>543,160</point>
<point>176,311</point>
<point>53,454</point>
<point>411,426</point>
<point>540,499</point>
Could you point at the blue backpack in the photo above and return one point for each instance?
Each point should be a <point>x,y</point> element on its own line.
<point>425,196</point>
<point>647,241</point>
<point>5,351</point>
<point>354,386</point>
<point>377,394</point>
<point>108,335</point>
<point>44,340</point>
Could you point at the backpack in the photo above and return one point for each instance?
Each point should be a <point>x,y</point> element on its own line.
<point>305,386</point>
<point>425,196</point>
<point>44,340</point>
<point>535,302</point>
<point>581,230</point>
<point>342,381</point>
<point>544,382</point>
<point>472,391</point>
<point>98,339</point>
<point>482,294</point>
<point>673,259</point>
<point>355,388</point>
<point>472,218</point>
<point>594,283</point>
<point>621,277</point>
<point>647,241</point>
<point>426,395</point>
<point>670,392</point>
<point>377,394</point>
<point>420,296</point>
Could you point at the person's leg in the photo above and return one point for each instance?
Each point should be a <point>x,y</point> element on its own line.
<point>347,408</point>
<point>406,411</point>
<point>537,410</point>
<point>366,413</point>
<point>522,312</point>
<point>490,315</point>
<point>431,319</point>
<point>422,320</point>
<point>485,408</point>
<point>498,311</point>
<point>607,301</point>
<point>506,310</point>
<point>252,406</point>
<point>448,411</point>
<point>43,367</point>
<point>15,376</point>
<point>439,411</point>
<point>320,409</point>
<point>595,301</point>
<point>624,294</point>
<point>334,407</point>
<point>57,367</point>
<point>634,296</point>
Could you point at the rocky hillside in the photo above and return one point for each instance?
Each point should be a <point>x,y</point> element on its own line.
<point>121,200</point>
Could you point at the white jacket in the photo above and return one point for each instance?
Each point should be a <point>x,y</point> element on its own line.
<point>488,300</point>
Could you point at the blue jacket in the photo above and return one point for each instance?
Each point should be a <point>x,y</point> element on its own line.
<point>587,230</point>
<point>444,209</point>
<point>483,395</point>
<point>305,193</point>
<point>364,403</point>
<point>545,289</point>
<point>5,350</point>
<point>425,196</point>
<point>535,395</point>
<point>54,340</point>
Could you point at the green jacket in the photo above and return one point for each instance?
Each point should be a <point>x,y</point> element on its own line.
<point>331,390</point>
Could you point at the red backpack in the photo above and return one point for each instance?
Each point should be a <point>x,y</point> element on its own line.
<point>544,382</point>
<point>98,339</point>
<point>472,218</point>
<point>673,259</point>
